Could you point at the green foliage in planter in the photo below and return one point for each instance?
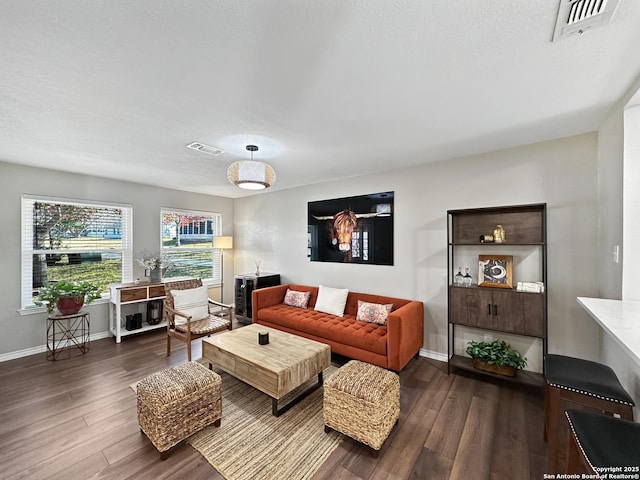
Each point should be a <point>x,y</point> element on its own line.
<point>51,293</point>
<point>497,352</point>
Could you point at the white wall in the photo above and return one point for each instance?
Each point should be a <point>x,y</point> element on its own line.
<point>631,199</point>
<point>272,227</point>
<point>618,214</point>
<point>28,332</point>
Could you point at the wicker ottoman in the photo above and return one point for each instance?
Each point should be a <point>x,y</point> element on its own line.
<point>362,401</point>
<point>177,402</point>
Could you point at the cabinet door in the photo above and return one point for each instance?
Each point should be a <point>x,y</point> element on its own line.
<point>533,310</point>
<point>521,313</point>
<point>508,312</point>
<point>471,306</point>
<point>240,297</point>
<point>479,305</point>
<point>249,287</point>
<point>458,306</point>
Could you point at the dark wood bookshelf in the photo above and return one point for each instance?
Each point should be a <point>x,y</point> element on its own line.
<point>497,309</point>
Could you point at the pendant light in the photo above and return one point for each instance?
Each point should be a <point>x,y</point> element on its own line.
<point>250,174</point>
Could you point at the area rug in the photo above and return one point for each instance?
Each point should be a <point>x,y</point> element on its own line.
<point>252,444</point>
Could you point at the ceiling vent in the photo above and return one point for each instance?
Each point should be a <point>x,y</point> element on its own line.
<point>201,147</point>
<point>580,16</point>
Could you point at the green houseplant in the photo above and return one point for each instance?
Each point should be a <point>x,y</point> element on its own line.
<point>496,357</point>
<point>68,297</point>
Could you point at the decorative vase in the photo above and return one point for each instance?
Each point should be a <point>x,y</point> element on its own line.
<point>69,305</point>
<point>466,279</point>
<point>497,369</point>
<point>459,279</point>
<point>157,274</point>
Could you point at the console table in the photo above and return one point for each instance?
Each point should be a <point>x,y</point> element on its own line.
<point>130,293</point>
<point>66,332</point>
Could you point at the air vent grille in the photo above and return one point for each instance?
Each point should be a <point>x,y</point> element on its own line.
<point>201,147</point>
<point>583,9</point>
<point>579,16</point>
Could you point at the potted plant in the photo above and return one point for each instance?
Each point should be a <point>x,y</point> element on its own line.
<point>68,297</point>
<point>496,357</point>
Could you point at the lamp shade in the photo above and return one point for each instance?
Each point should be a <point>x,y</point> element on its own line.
<point>251,175</point>
<point>223,242</point>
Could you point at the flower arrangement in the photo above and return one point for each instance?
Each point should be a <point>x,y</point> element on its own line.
<point>151,261</point>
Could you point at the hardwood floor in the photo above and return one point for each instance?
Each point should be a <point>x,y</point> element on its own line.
<point>76,419</point>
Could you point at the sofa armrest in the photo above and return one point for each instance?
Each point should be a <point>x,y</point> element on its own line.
<point>405,334</point>
<point>265,297</point>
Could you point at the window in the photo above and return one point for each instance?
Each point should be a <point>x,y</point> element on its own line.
<point>187,241</point>
<point>73,240</point>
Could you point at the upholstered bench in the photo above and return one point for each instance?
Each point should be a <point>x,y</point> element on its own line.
<point>362,401</point>
<point>176,402</point>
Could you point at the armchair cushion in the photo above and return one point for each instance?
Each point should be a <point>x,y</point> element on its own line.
<point>191,302</point>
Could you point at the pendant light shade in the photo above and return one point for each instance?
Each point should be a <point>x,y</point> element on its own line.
<point>250,174</point>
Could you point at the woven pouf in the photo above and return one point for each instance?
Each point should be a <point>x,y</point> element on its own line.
<point>362,401</point>
<point>177,402</point>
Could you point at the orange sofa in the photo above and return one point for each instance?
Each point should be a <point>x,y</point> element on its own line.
<point>389,346</point>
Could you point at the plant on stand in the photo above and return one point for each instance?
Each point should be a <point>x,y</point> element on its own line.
<point>68,297</point>
<point>496,357</point>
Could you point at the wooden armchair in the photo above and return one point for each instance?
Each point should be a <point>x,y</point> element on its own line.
<point>216,321</point>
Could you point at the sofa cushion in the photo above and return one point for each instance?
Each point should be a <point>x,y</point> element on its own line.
<point>331,300</point>
<point>345,330</point>
<point>373,312</point>
<point>294,298</point>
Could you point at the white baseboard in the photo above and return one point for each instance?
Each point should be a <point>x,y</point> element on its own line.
<point>442,357</point>
<point>43,348</point>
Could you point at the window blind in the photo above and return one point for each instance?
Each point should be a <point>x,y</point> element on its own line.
<point>69,240</point>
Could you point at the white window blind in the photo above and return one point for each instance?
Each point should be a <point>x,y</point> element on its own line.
<point>73,240</point>
<point>187,241</point>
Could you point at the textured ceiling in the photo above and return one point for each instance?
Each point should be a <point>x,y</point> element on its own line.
<point>328,89</point>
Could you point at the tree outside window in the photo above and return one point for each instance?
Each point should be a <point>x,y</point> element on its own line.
<point>187,238</point>
<point>73,241</point>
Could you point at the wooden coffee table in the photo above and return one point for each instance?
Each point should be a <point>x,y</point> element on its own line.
<point>278,368</point>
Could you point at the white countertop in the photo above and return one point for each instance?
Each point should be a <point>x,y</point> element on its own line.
<point>620,319</point>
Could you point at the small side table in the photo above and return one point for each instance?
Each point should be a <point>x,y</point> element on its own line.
<point>64,332</point>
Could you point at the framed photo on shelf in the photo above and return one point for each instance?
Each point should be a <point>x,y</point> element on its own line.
<point>495,271</point>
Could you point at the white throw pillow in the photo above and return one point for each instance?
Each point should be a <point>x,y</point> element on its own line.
<point>331,300</point>
<point>192,302</point>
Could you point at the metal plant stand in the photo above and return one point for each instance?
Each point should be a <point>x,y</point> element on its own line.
<point>65,333</point>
